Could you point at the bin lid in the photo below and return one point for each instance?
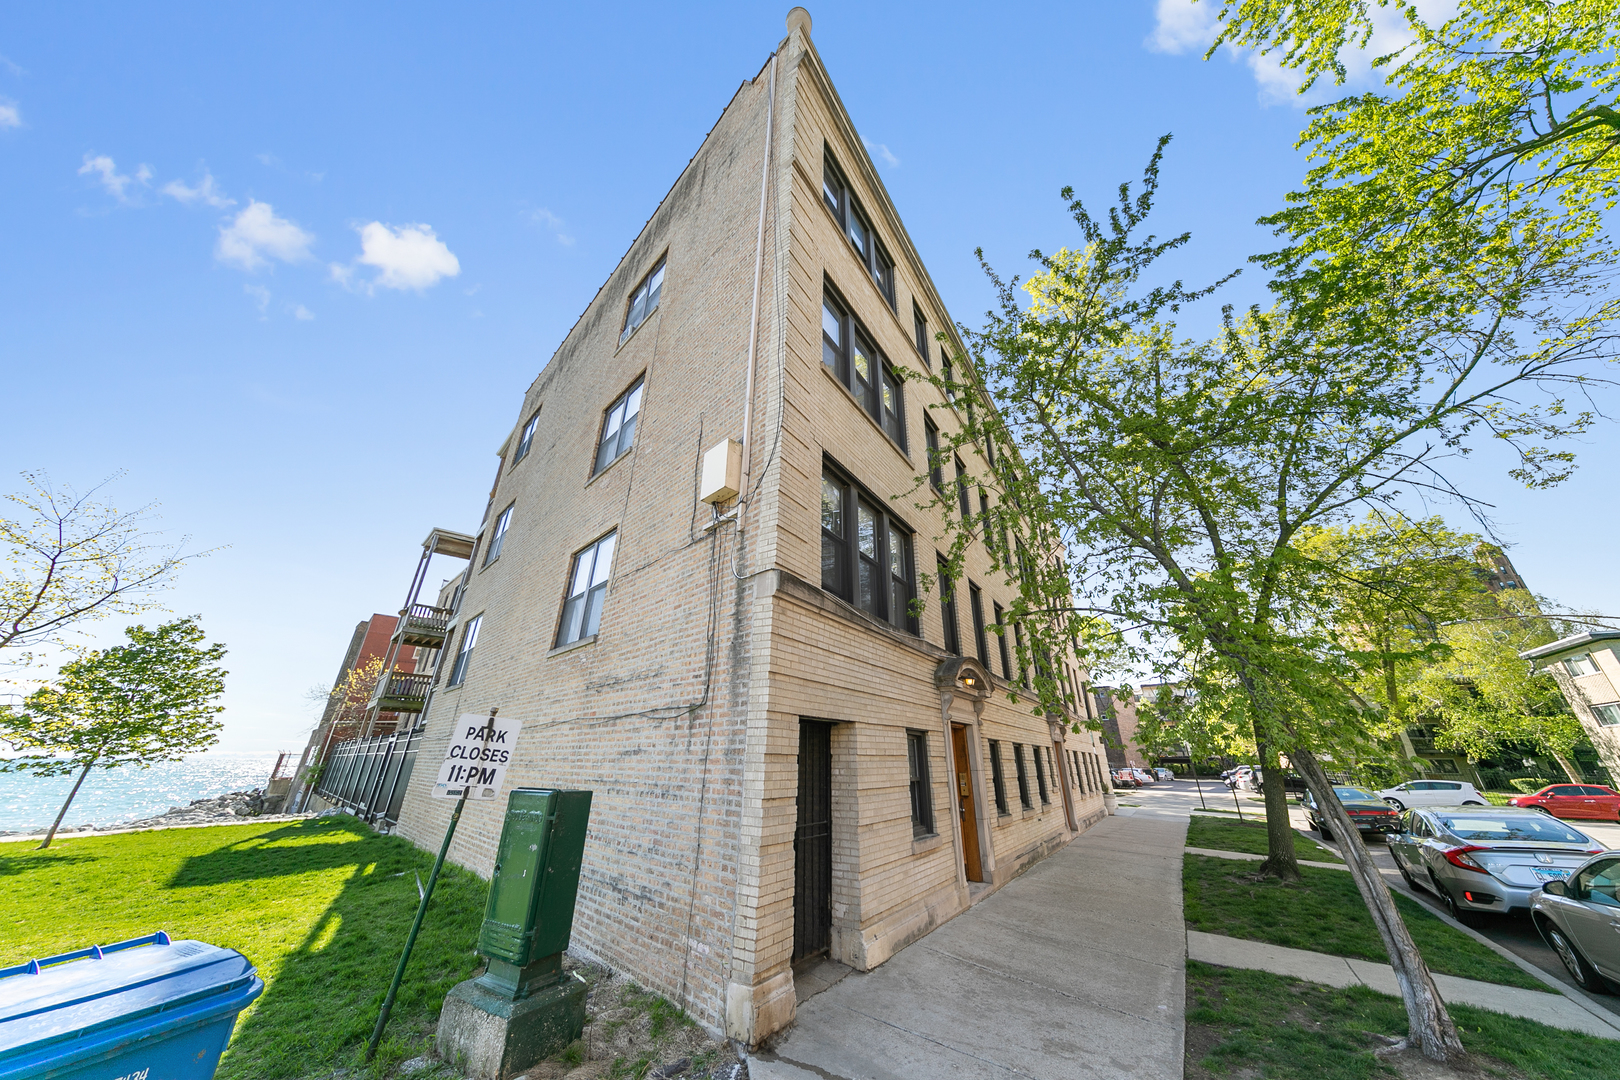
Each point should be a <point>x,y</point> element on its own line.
<point>68,996</point>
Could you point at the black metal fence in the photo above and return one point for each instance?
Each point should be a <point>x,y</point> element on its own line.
<point>368,777</point>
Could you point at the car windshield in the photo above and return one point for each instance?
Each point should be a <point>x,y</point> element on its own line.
<point>1354,793</point>
<point>1538,827</point>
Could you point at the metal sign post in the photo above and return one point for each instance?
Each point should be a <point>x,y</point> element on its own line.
<point>474,767</point>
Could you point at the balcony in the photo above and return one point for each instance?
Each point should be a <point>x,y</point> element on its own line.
<point>402,692</point>
<point>422,625</point>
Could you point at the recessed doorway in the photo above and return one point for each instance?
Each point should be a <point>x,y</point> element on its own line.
<point>812,843</point>
<point>962,776</point>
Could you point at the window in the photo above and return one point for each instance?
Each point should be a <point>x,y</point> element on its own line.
<point>469,639</point>
<point>984,527</point>
<point>1580,664</point>
<point>936,460</point>
<point>981,644</point>
<point>1607,715</point>
<point>1040,774</point>
<point>644,301</point>
<point>998,779</point>
<point>851,356</point>
<point>1018,641</point>
<point>922,794</point>
<point>847,211</point>
<point>619,427</point>
<point>1023,777</point>
<point>1001,643</point>
<point>947,608</point>
<point>921,326</point>
<point>498,538</point>
<point>866,555</point>
<point>962,492</point>
<point>1074,769</point>
<point>1599,884</point>
<point>947,376</point>
<point>526,440</point>
<point>587,587</point>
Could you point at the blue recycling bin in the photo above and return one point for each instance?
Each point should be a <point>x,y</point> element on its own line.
<point>145,1009</point>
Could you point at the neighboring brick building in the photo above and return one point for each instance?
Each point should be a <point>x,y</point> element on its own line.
<point>786,763</point>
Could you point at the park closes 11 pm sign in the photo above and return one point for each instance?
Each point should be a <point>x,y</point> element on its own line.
<point>476,759</point>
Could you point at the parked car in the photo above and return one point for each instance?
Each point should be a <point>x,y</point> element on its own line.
<point>1125,778</point>
<point>1582,802</point>
<point>1432,793</point>
<point>1164,774</point>
<point>1578,917</point>
<point>1370,813</point>
<point>1481,859</point>
<point>1294,785</point>
<point>1143,776</point>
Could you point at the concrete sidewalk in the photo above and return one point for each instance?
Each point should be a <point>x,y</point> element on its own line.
<point>1552,1009</point>
<point>1076,969</point>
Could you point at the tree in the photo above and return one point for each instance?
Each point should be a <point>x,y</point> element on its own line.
<point>69,558</point>
<point>137,704</point>
<point>1181,474</point>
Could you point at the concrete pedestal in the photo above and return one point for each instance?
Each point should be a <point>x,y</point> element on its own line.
<point>493,1037</point>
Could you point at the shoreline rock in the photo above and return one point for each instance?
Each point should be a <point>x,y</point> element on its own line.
<point>232,806</point>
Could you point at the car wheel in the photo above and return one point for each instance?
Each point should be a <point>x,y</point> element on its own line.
<point>1471,802</point>
<point>1574,962</point>
<point>1544,810</point>
<point>1456,911</point>
<point>1322,829</point>
<point>1406,875</point>
<point>1396,803</point>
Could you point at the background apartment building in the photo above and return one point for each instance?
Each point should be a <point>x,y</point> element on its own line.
<point>790,760</point>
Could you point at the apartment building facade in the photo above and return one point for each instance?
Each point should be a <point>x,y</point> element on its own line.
<point>797,750</point>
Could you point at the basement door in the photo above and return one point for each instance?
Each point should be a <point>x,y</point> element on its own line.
<point>812,843</point>
<point>963,775</point>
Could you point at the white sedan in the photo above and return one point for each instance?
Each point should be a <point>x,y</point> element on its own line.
<point>1432,793</point>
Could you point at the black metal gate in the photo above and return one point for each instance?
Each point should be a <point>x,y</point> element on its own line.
<point>812,843</point>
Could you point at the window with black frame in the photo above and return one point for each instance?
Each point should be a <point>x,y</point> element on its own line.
<point>981,644</point>
<point>619,428</point>
<point>1040,774</point>
<point>962,492</point>
<point>920,325</point>
<point>856,226</point>
<point>998,778</point>
<point>497,538</point>
<point>936,460</point>
<point>1001,642</point>
<point>1023,777</point>
<point>922,797</point>
<point>849,354</point>
<point>587,590</point>
<point>947,607</point>
<point>866,555</point>
<point>526,440</point>
<point>643,301</point>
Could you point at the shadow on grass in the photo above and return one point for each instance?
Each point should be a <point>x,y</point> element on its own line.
<point>318,1010</point>
<point>12,865</point>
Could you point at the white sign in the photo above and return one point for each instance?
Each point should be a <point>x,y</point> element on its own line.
<point>475,761</point>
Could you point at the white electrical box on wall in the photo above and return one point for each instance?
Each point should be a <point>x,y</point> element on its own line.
<point>722,472</point>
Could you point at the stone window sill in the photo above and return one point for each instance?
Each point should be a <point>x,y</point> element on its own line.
<point>921,844</point>
<point>571,646</point>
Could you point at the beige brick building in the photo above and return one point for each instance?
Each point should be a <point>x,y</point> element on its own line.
<point>787,761</point>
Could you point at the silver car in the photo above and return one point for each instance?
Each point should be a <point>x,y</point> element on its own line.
<point>1580,918</point>
<point>1480,859</point>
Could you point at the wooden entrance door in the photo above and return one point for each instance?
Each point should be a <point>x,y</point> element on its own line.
<point>812,843</point>
<point>962,775</point>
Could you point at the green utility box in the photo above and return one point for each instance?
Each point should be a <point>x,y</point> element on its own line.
<point>524,1007</point>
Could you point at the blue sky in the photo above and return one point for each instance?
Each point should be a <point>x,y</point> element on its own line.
<point>292,267</point>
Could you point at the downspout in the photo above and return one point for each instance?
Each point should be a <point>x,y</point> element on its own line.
<point>753,316</point>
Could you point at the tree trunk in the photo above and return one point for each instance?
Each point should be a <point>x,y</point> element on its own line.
<point>1281,860</point>
<point>1429,1026</point>
<point>1568,767</point>
<point>62,813</point>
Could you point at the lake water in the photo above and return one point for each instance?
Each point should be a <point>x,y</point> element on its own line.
<point>110,796</point>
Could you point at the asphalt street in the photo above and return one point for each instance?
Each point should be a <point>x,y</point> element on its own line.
<point>1514,933</point>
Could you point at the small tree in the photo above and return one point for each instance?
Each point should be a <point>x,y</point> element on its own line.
<point>137,704</point>
<point>66,558</point>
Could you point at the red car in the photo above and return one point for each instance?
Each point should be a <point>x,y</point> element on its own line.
<point>1589,802</point>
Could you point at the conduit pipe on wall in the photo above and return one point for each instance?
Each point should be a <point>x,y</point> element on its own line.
<point>753,317</point>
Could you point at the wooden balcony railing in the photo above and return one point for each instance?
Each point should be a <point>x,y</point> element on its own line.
<point>423,625</point>
<point>403,692</point>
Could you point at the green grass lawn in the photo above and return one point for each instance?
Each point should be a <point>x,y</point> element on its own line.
<point>321,907</point>
<point>1248,837</point>
<point>1253,1024</point>
<point>1326,914</point>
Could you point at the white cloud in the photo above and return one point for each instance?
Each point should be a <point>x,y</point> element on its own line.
<point>1183,26</point>
<point>551,222</point>
<point>302,313</point>
<point>406,257</point>
<point>9,116</point>
<point>261,298</point>
<point>255,233</point>
<point>115,182</point>
<point>877,149</point>
<point>204,192</point>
